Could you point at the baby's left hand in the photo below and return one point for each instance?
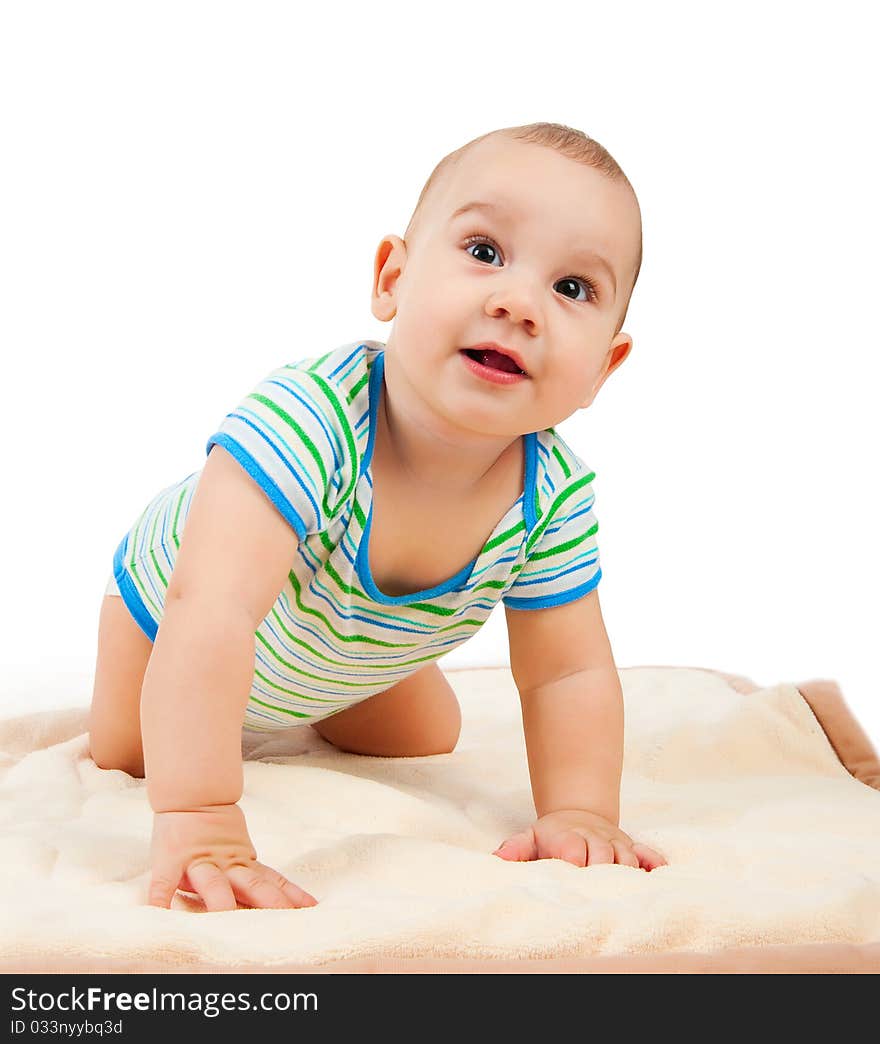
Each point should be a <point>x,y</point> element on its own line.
<point>580,837</point>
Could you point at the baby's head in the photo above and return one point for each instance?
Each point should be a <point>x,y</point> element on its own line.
<point>545,267</point>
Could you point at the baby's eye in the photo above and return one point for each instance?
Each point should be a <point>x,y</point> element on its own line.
<point>481,241</point>
<point>578,281</point>
<point>486,243</point>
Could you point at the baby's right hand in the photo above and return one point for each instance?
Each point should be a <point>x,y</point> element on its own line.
<point>207,850</point>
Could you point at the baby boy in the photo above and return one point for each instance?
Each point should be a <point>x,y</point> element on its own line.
<point>361,512</point>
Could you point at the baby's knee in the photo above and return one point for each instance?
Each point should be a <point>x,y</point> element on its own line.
<point>109,754</point>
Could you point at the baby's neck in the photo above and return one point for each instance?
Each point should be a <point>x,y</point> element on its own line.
<point>414,449</point>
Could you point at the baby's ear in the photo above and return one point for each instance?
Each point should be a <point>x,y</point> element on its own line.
<point>387,266</point>
<point>618,351</point>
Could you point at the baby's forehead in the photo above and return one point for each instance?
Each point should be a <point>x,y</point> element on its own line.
<point>588,200</point>
<point>554,221</point>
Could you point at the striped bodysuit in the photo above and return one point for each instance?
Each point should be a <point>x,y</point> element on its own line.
<point>332,638</point>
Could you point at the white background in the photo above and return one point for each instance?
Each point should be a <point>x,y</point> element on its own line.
<point>192,194</point>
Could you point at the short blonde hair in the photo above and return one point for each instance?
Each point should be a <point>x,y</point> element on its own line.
<point>565,140</point>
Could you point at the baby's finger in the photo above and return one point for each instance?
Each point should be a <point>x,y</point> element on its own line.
<point>299,896</point>
<point>569,846</point>
<point>600,850</point>
<point>624,854</point>
<point>163,883</point>
<point>648,858</point>
<point>520,847</point>
<point>255,887</point>
<point>210,883</point>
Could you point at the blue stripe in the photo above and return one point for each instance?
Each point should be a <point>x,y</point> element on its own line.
<point>347,360</point>
<point>332,436</point>
<point>300,468</point>
<point>552,573</point>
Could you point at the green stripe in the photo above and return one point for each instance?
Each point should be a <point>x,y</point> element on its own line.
<point>284,710</point>
<point>566,546</point>
<point>291,692</point>
<point>554,507</point>
<point>176,517</point>
<point>315,364</point>
<point>355,391</point>
<point>132,568</point>
<point>152,552</point>
<point>502,538</point>
<point>563,463</point>
<point>315,453</point>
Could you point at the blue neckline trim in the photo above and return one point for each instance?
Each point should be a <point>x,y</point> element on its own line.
<point>362,563</point>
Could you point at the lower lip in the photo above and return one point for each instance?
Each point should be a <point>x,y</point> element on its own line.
<point>490,374</point>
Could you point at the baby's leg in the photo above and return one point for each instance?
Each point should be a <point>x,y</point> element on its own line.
<point>114,719</point>
<point>416,717</point>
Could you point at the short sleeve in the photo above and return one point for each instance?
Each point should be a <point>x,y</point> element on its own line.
<point>562,552</point>
<point>293,436</point>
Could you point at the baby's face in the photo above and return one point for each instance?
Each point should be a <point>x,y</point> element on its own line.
<point>540,267</point>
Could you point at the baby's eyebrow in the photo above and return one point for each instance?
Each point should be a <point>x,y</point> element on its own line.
<point>477,205</point>
<point>501,208</point>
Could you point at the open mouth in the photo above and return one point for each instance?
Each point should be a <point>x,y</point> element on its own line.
<point>494,360</point>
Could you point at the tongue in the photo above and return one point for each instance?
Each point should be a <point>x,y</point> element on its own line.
<point>498,361</point>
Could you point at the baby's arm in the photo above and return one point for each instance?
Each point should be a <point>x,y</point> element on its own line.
<point>233,560</point>
<point>572,705</point>
<point>572,712</point>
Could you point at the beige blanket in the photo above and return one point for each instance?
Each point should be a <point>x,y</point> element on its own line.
<point>764,801</point>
